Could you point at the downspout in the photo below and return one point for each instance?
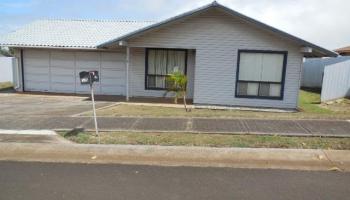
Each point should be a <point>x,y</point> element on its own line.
<point>16,68</point>
<point>22,70</point>
<point>127,72</point>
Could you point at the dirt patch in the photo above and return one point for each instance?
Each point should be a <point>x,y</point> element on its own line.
<point>340,105</point>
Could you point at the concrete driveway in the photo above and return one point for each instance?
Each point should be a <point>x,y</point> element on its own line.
<point>52,105</point>
<point>37,111</point>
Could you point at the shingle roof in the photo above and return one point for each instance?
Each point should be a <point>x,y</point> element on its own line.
<point>70,33</point>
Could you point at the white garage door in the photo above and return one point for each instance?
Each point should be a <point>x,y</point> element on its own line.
<point>58,71</point>
<point>36,71</point>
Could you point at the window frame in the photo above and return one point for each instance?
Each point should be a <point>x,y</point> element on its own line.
<point>146,65</point>
<point>281,97</point>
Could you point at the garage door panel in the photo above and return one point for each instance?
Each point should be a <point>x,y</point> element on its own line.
<point>36,63</point>
<point>62,87</point>
<point>56,71</point>
<point>37,78</point>
<point>62,59</point>
<point>37,86</point>
<point>63,79</point>
<point>37,70</point>
<point>36,54</point>
<point>36,58</point>
<point>88,60</point>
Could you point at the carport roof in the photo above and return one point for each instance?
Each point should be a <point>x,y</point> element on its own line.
<point>69,33</point>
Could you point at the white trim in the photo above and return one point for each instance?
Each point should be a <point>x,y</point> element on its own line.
<point>50,47</point>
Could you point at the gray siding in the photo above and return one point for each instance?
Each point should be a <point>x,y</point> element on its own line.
<point>336,81</point>
<point>216,37</point>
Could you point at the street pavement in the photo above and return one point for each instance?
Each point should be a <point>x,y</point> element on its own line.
<point>42,181</point>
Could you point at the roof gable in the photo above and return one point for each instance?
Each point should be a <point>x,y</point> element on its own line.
<point>318,51</point>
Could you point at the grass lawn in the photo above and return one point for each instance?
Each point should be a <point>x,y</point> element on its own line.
<point>309,104</point>
<point>210,140</point>
<point>5,85</point>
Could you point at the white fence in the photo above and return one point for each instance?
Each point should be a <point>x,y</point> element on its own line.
<point>336,81</point>
<point>6,69</point>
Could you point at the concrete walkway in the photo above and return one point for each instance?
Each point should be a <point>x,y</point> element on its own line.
<point>31,136</point>
<point>336,128</point>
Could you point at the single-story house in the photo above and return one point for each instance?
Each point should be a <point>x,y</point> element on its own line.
<point>230,59</point>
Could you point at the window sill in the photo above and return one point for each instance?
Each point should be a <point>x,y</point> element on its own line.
<point>258,97</point>
<point>160,89</point>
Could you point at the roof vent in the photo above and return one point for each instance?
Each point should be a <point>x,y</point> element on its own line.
<point>215,3</point>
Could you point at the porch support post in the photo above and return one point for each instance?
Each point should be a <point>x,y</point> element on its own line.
<point>127,72</point>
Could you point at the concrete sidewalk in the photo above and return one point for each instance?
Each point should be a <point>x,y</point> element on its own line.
<point>179,156</point>
<point>335,128</point>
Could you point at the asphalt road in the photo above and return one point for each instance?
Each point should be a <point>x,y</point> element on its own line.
<point>37,181</point>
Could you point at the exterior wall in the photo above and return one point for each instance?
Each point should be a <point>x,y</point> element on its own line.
<point>336,81</point>
<point>313,68</point>
<point>217,37</point>
<point>137,74</point>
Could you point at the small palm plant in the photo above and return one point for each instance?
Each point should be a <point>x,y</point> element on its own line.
<point>177,83</point>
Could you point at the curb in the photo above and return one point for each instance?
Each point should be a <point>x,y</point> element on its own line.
<point>293,159</point>
<point>217,132</point>
<point>27,132</point>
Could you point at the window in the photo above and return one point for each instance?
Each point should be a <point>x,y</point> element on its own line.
<point>160,63</point>
<point>260,74</point>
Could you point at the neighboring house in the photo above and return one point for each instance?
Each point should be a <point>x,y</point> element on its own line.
<point>313,70</point>
<point>331,75</point>
<point>345,51</point>
<point>229,58</point>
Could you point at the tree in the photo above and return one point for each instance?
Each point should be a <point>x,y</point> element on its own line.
<point>177,83</point>
<point>6,51</point>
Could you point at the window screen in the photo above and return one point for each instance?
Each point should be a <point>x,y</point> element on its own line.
<point>260,74</point>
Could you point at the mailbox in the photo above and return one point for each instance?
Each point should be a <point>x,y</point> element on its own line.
<point>94,76</point>
<point>89,77</point>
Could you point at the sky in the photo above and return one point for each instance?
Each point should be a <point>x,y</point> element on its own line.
<point>323,22</point>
